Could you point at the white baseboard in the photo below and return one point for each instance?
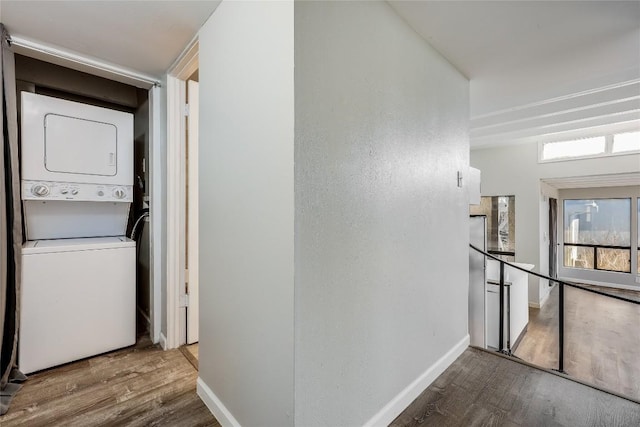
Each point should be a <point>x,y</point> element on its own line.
<point>163,341</point>
<point>403,399</point>
<point>544,300</point>
<point>216,406</point>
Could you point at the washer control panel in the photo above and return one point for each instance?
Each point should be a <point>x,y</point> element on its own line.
<point>47,190</point>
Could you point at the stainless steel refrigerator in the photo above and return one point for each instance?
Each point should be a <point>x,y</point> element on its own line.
<point>477,281</point>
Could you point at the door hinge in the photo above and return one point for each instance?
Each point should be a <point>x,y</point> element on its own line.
<point>184,300</point>
<point>186,110</point>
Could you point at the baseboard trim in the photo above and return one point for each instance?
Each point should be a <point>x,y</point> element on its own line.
<point>215,405</point>
<point>603,284</point>
<point>544,300</point>
<point>163,341</point>
<point>403,399</point>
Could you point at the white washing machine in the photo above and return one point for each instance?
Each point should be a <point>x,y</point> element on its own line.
<point>78,274</point>
<point>77,299</point>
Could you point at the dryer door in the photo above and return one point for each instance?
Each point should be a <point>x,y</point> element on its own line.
<point>80,146</point>
<point>66,141</point>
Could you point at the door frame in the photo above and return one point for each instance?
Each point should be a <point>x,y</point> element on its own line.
<point>180,71</point>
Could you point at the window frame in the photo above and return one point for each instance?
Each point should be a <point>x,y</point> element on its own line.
<point>595,247</point>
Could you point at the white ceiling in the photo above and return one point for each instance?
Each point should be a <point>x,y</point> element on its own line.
<point>539,70</point>
<point>487,40</point>
<point>145,36</point>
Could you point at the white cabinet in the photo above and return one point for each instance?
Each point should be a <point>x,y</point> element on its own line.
<point>517,291</point>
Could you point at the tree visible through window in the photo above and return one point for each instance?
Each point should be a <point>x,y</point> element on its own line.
<point>597,234</point>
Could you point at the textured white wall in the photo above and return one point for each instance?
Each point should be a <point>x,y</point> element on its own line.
<point>515,170</point>
<point>247,210</point>
<point>381,255</point>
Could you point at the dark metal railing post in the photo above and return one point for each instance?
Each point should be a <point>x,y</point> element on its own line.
<point>561,327</point>
<point>501,328</point>
<point>508,352</point>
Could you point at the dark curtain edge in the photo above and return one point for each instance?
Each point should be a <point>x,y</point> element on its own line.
<point>11,376</point>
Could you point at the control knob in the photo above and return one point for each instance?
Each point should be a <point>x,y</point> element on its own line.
<point>40,190</point>
<point>119,193</point>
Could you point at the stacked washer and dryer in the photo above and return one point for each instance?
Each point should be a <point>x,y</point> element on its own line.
<point>78,269</point>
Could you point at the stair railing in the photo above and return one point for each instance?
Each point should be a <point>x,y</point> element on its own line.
<point>561,300</point>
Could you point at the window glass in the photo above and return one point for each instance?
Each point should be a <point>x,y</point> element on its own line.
<point>598,222</point>
<point>626,142</point>
<point>597,234</point>
<point>575,148</point>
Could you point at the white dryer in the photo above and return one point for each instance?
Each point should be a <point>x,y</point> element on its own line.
<point>77,168</point>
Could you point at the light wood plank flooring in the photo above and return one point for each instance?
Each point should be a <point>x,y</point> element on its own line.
<point>138,386</point>
<point>191,353</point>
<point>602,339</point>
<point>486,389</point>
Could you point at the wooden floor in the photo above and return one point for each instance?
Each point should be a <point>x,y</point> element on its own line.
<point>602,339</point>
<point>139,386</point>
<point>485,389</point>
<point>191,353</point>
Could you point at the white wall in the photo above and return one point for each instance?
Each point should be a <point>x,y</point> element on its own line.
<point>514,170</point>
<point>247,211</point>
<point>381,242</point>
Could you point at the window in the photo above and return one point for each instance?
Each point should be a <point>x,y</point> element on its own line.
<point>624,142</point>
<point>597,234</point>
<point>599,146</point>
<point>575,148</point>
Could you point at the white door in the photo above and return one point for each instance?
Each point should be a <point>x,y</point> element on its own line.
<point>192,212</point>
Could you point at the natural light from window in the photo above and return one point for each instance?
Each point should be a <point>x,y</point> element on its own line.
<point>575,148</point>
<point>623,142</point>
<point>597,234</point>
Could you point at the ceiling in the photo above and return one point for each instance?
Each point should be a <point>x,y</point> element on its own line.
<point>595,181</point>
<point>145,36</point>
<point>538,70</point>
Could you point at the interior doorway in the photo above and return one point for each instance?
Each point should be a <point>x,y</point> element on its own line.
<point>191,205</point>
<point>553,238</point>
